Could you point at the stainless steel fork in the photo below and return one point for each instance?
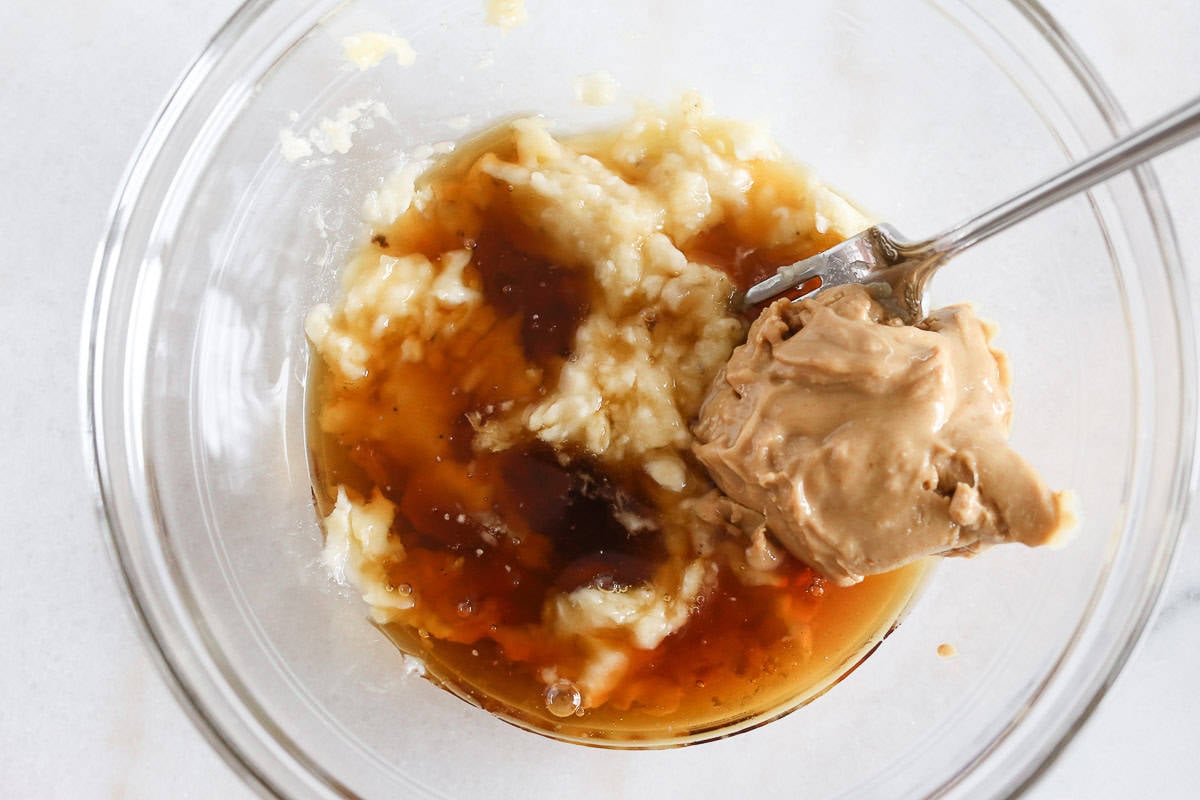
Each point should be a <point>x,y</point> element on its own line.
<point>897,268</point>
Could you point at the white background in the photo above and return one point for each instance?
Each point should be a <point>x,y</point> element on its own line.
<point>83,711</point>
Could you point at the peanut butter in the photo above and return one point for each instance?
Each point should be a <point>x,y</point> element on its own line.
<point>866,444</point>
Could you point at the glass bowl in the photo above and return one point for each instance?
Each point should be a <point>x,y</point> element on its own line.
<point>922,111</point>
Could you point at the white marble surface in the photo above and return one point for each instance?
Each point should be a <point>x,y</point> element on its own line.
<point>83,712</point>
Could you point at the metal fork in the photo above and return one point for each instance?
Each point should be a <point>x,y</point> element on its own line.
<point>897,269</point>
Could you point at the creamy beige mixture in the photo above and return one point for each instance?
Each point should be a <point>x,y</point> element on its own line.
<point>867,444</point>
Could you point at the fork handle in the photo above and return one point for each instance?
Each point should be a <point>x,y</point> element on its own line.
<point>1165,133</point>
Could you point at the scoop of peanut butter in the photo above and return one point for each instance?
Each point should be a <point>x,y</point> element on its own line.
<point>866,444</point>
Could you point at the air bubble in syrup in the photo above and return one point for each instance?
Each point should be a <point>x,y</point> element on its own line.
<point>563,698</point>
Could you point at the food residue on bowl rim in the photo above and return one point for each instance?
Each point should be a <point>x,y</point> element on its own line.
<point>506,14</point>
<point>333,134</point>
<point>368,48</point>
<point>597,88</point>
